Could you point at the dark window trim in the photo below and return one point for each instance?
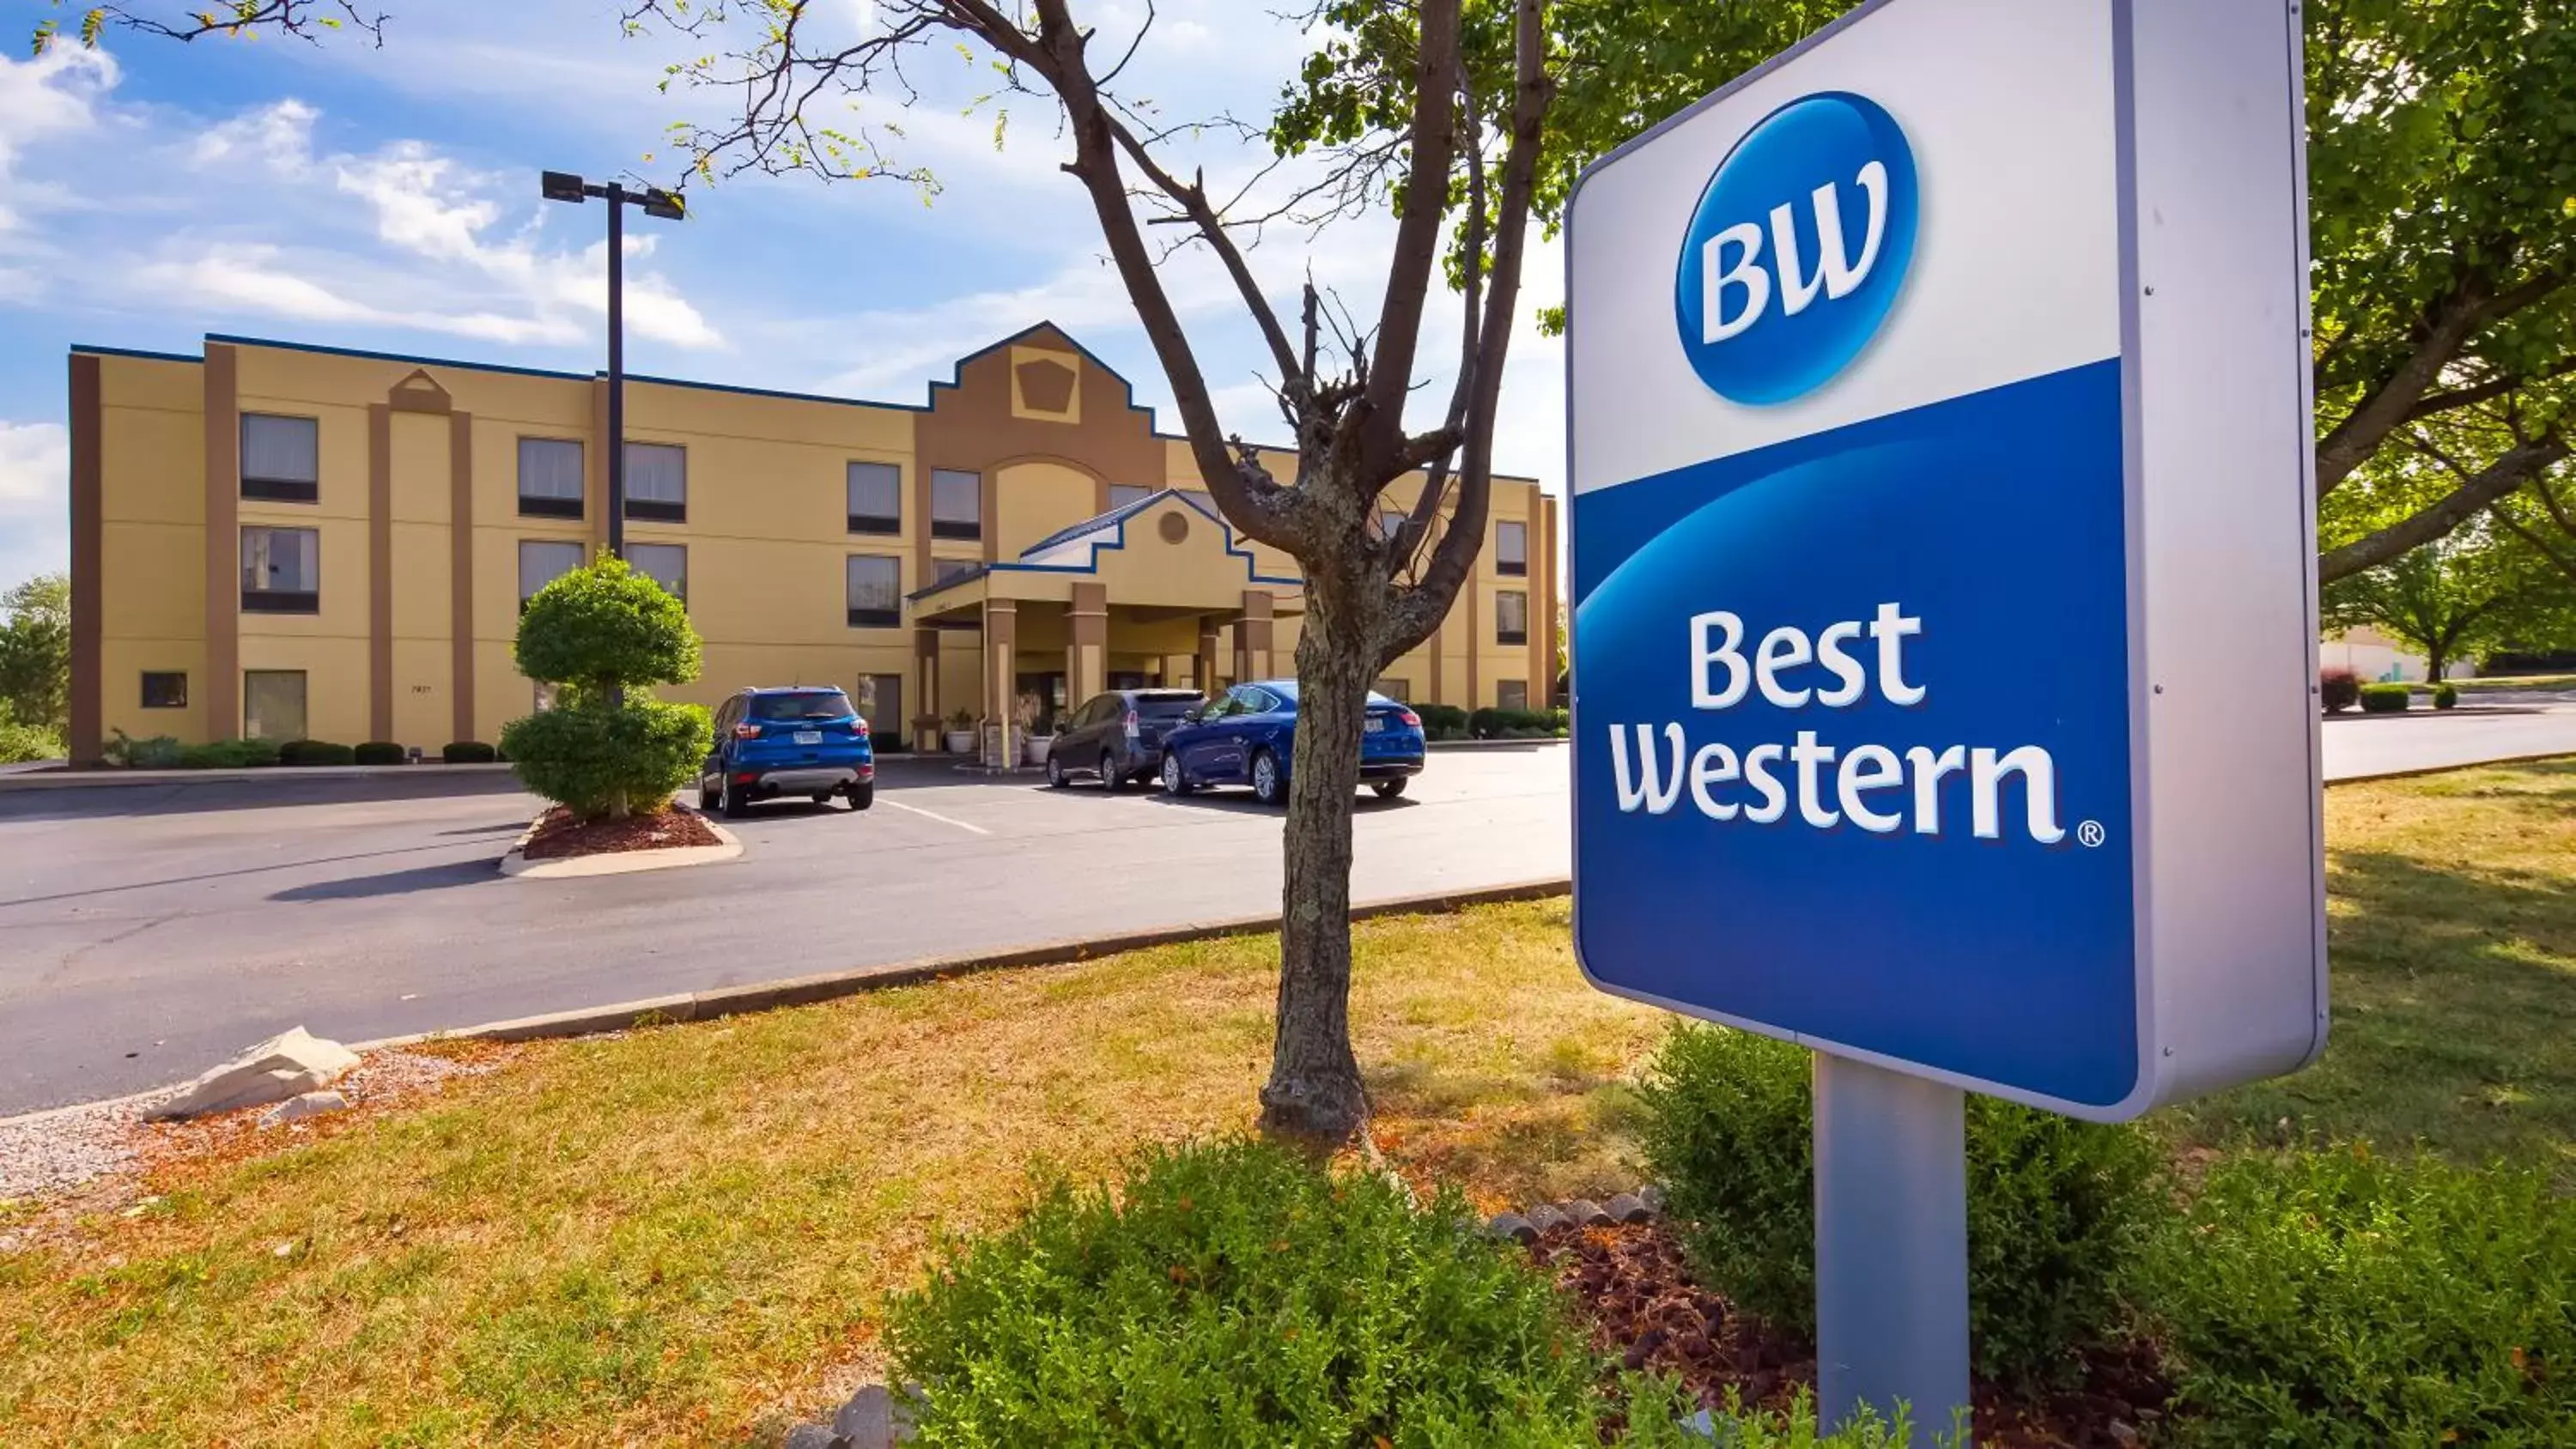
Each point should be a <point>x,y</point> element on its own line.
<point>876,618</point>
<point>1511,568</point>
<point>280,601</point>
<point>1511,636</point>
<point>549,507</point>
<point>967,528</point>
<point>280,490</point>
<point>653,510</point>
<point>181,675</point>
<point>880,523</point>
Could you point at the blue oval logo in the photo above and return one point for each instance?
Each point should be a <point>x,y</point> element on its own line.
<point>1798,248</point>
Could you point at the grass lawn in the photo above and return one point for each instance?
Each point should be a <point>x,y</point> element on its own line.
<point>2489,684</point>
<point>672,1236</point>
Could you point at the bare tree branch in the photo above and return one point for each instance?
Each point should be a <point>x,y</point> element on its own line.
<point>309,20</point>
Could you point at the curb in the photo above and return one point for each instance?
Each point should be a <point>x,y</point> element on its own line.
<point>1494,744</point>
<point>832,985</point>
<point>2423,770</point>
<point>113,779</point>
<point>515,863</point>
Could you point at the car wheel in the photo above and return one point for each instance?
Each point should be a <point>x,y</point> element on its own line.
<point>1055,771</point>
<point>1113,772</point>
<point>1266,785</point>
<point>737,801</point>
<point>1388,789</point>
<point>862,796</point>
<point>706,797</point>
<point>1175,783</point>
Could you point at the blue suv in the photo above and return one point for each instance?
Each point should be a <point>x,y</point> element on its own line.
<point>1249,736</point>
<point>800,740</point>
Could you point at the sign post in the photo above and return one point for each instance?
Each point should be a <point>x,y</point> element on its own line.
<point>1944,595</point>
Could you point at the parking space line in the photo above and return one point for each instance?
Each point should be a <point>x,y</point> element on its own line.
<point>931,815</point>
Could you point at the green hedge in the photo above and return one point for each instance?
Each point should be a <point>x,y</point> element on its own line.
<point>2337,1299</point>
<point>2057,1209</point>
<point>229,755</point>
<point>382,752</point>
<point>1234,1294</point>
<point>466,752</point>
<point>596,758</point>
<point>1442,721</point>
<point>315,752</point>
<point>1516,724</point>
<point>2386,698</point>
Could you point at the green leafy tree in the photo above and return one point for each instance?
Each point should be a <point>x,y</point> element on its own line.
<point>36,652</point>
<point>605,634</point>
<point>2474,591</point>
<point>2442,188</point>
<point>799,97</point>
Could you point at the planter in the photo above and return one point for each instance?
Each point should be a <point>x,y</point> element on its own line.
<point>1036,748</point>
<point>960,742</point>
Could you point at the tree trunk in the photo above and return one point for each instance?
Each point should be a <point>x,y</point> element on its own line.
<point>1314,1089</point>
<point>2436,657</point>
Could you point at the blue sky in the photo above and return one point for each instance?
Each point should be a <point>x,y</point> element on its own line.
<point>151,193</point>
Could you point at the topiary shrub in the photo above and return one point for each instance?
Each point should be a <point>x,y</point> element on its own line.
<point>2446,695</point>
<point>2387,698</point>
<point>315,752</point>
<point>382,752</point>
<point>604,633</point>
<point>2338,689</point>
<point>2057,1209</point>
<point>2335,1299</point>
<point>1234,1294</point>
<point>466,752</point>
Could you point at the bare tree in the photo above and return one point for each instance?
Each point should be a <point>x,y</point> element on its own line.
<point>1371,593</point>
<point>231,19</point>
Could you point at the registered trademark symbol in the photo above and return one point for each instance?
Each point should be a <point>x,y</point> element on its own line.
<point>2089,834</point>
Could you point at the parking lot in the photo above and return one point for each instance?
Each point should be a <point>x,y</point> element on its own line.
<point>148,931</point>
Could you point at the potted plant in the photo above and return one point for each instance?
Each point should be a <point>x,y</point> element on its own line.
<point>1037,729</point>
<point>961,732</point>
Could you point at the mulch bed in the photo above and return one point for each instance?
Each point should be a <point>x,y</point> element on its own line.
<point>1636,1291</point>
<point>559,835</point>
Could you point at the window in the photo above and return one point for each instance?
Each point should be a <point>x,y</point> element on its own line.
<point>541,562</point>
<point>1399,690</point>
<point>273,704</point>
<point>550,479</point>
<point>956,504</point>
<point>1122,494</point>
<point>281,458</point>
<point>945,570</point>
<point>666,564</point>
<point>824,703</point>
<point>1511,547</point>
<point>876,591</point>
<point>657,482</point>
<point>876,498</point>
<point>1511,694</point>
<point>1511,617</point>
<point>165,689</point>
<point>281,571</point>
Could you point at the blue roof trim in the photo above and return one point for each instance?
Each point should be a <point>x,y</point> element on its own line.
<point>98,351</point>
<point>1115,518</point>
<point>394,357</point>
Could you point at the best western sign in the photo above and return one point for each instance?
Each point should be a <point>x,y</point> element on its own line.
<point>1944,620</point>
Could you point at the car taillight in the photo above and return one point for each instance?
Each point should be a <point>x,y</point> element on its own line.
<point>746,732</point>
<point>1131,724</point>
<point>1411,720</point>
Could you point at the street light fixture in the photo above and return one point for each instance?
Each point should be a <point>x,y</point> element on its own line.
<point>564,186</point>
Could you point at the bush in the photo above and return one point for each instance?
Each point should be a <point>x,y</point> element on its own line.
<point>2333,1299</point>
<point>2338,689</point>
<point>2057,1208</point>
<point>382,752</point>
<point>2446,695</point>
<point>598,761</point>
<point>2386,698</point>
<point>1233,1294</point>
<point>159,752</point>
<point>1442,721</point>
<point>466,752</point>
<point>315,752</point>
<point>20,743</point>
<point>229,755</point>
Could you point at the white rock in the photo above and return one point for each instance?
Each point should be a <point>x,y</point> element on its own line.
<point>283,1066</point>
<point>311,1104</point>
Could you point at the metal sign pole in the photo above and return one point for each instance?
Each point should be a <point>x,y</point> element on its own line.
<point>1891,1245</point>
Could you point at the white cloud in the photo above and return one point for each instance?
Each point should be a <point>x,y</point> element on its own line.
<point>35,481</point>
<point>279,134</point>
<point>50,95</point>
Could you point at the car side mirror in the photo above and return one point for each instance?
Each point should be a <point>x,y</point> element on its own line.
<point>1194,714</point>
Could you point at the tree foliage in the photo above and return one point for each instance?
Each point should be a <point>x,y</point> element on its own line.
<point>605,627</point>
<point>606,633</point>
<point>2442,187</point>
<point>36,652</point>
<point>2475,591</point>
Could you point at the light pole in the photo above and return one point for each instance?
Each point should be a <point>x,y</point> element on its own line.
<point>564,186</point>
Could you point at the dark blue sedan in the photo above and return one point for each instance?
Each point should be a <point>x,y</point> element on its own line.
<point>1247,737</point>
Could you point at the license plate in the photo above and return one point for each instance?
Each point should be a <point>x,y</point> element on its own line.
<point>809,737</point>
<point>1374,725</point>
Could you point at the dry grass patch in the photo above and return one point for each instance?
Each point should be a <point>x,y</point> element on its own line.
<point>670,1236</point>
